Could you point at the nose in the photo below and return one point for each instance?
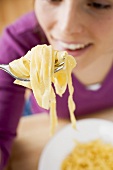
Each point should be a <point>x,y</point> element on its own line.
<point>70,20</point>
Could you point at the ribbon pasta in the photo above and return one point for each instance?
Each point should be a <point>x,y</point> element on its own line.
<point>39,65</point>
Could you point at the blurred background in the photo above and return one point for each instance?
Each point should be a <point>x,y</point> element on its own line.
<point>10,10</point>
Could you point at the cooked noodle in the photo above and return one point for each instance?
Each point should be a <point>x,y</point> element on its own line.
<point>94,155</point>
<point>39,65</point>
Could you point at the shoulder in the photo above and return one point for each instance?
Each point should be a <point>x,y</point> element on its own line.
<point>25,23</point>
<point>23,34</point>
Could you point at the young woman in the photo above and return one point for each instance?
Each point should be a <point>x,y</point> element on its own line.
<point>84,28</point>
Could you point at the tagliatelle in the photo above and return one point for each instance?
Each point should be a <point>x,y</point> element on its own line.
<point>39,65</point>
<point>93,155</point>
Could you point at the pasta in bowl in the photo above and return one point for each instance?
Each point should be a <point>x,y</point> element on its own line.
<point>88,147</point>
<point>92,155</point>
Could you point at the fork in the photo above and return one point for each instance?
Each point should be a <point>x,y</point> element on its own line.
<point>6,68</point>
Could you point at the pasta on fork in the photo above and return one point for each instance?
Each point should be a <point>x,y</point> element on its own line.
<point>39,65</point>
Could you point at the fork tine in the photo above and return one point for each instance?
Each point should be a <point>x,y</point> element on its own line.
<point>59,64</point>
<point>58,69</point>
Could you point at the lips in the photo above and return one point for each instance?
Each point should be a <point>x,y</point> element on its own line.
<point>75,49</point>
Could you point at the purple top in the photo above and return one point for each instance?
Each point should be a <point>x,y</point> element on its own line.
<point>17,39</point>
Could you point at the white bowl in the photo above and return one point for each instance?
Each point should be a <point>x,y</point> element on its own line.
<point>63,142</point>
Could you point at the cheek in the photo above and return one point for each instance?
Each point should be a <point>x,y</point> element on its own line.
<point>44,14</point>
<point>104,29</point>
<point>44,20</point>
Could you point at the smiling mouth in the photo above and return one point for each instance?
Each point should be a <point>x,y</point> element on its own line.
<point>74,47</point>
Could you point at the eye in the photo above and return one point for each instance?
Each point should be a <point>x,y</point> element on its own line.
<point>98,5</point>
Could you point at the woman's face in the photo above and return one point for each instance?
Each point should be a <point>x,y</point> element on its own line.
<point>84,28</point>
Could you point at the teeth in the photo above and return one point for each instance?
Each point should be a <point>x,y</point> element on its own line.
<point>72,46</point>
